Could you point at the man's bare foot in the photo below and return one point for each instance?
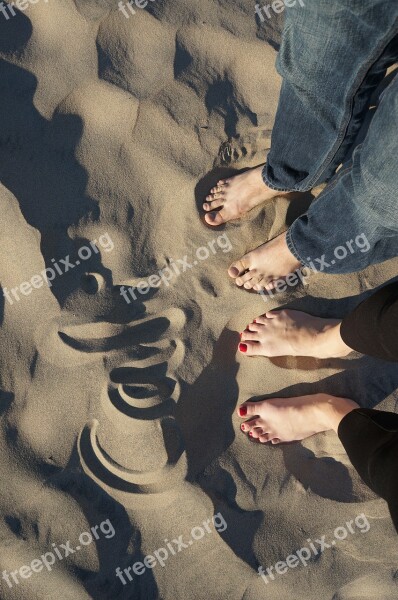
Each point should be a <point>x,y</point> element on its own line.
<point>237,196</point>
<point>293,333</point>
<point>292,419</point>
<point>262,267</point>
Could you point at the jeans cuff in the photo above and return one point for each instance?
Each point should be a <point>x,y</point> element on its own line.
<point>292,247</point>
<point>271,185</point>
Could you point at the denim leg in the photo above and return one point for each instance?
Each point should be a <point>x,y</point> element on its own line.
<point>333,55</point>
<point>360,203</point>
<point>361,104</point>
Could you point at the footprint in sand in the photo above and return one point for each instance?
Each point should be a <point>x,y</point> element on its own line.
<point>246,147</point>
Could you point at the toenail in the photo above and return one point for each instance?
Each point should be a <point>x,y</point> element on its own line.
<point>234,271</point>
<point>243,348</point>
<point>243,411</point>
<point>250,433</point>
<point>242,427</point>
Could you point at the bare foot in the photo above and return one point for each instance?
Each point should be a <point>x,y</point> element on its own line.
<point>262,267</point>
<point>292,419</point>
<point>293,333</point>
<point>237,196</point>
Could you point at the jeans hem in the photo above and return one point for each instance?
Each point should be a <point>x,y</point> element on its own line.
<point>272,186</point>
<point>293,249</point>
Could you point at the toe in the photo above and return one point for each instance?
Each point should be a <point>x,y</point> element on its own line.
<point>263,284</point>
<point>272,283</point>
<point>247,409</point>
<point>245,278</point>
<point>250,348</point>
<point>214,203</point>
<point>248,425</point>
<point>262,320</point>
<point>253,282</point>
<point>215,218</point>
<point>256,432</point>
<point>243,348</point>
<point>254,327</point>
<point>272,314</point>
<point>220,185</point>
<point>275,441</point>
<point>264,438</point>
<point>248,285</point>
<point>238,268</point>
<point>249,336</point>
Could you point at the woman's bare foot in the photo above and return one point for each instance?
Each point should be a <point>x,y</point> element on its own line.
<point>262,267</point>
<point>237,196</point>
<point>292,419</point>
<point>293,333</point>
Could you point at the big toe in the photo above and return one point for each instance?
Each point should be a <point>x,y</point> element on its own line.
<point>215,218</point>
<point>237,269</point>
<point>251,348</point>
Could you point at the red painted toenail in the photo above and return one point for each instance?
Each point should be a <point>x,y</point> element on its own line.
<point>243,347</point>
<point>243,411</point>
<point>242,427</point>
<point>250,433</point>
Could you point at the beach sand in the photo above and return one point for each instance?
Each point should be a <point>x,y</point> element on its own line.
<point>122,410</point>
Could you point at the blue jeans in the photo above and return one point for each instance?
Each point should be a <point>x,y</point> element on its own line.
<point>334,54</point>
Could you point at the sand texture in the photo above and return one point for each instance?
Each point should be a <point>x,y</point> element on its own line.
<point>114,129</point>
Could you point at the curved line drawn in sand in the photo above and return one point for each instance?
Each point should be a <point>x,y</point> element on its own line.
<point>140,396</point>
<point>96,461</point>
<point>137,405</point>
<point>69,340</point>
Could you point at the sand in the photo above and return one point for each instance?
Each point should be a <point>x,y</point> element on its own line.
<point>118,413</point>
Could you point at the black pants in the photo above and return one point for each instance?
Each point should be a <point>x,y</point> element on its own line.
<point>370,437</point>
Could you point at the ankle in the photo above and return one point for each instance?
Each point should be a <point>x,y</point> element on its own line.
<point>330,342</point>
<point>334,409</point>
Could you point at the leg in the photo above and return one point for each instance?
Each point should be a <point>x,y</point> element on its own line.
<point>370,438</point>
<point>352,224</point>
<point>360,202</point>
<point>372,328</point>
<point>333,55</point>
